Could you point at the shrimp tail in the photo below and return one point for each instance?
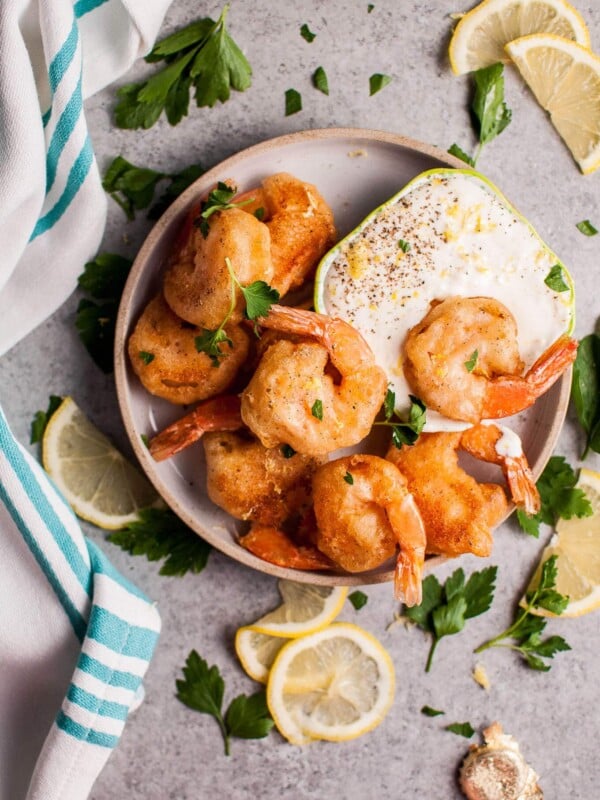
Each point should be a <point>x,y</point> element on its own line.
<point>409,529</point>
<point>509,394</point>
<point>276,547</point>
<point>522,484</point>
<point>217,414</point>
<point>407,576</point>
<point>298,321</point>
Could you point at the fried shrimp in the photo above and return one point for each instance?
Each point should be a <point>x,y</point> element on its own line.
<point>253,482</point>
<point>458,511</point>
<point>198,285</point>
<point>293,398</point>
<point>217,414</point>
<point>300,224</point>
<point>163,355</point>
<point>364,512</point>
<point>463,361</point>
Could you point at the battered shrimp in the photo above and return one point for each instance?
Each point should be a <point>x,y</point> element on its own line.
<point>458,511</point>
<point>364,512</point>
<point>164,356</point>
<point>300,224</point>
<point>461,331</point>
<point>217,414</point>
<point>252,482</point>
<point>293,398</point>
<point>197,284</point>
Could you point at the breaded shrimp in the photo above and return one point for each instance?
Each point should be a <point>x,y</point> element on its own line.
<point>463,361</point>
<point>458,511</point>
<point>197,283</point>
<point>294,399</point>
<point>300,224</point>
<point>364,512</point>
<point>253,482</point>
<point>164,356</point>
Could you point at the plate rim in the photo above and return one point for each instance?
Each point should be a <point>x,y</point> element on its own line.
<point>230,548</point>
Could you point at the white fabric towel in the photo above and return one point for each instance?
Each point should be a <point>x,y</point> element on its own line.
<point>75,637</point>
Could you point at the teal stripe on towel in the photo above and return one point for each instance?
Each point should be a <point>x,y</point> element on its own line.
<point>64,128</point>
<point>82,7</point>
<point>117,634</point>
<point>62,60</point>
<point>95,705</point>
<point>112,677</point>
<point>77,176</point>
<point>84,734</point>
<point>101,564</point>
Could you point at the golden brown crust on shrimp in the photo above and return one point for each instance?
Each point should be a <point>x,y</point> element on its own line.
<point>172,367</point>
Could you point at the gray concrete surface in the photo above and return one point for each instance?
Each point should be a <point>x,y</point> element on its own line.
<point>168,751</point>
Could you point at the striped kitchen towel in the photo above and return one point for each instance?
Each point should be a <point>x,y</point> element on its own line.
<point>75,637</point>
<point>54,54</point>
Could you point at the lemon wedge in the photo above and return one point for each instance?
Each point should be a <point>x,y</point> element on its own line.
<point>479,38</point>
<point>335,684</point>
<point>256,651</point>
<point>97,481</point>
<point>565,79</point>
<point>577,547</point>
<point>305,609</point>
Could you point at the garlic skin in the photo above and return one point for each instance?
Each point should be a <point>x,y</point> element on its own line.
<point>497,770</point>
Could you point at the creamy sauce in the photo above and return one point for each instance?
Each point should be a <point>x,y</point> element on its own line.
<point>509,444</point>
<point>460,239</point>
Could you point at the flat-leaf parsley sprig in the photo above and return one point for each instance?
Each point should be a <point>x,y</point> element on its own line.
<point>258,296</point>
<point>525,632</point>
<point>203,56</point>
<point>403,432</point>
<point>218,199</point>
<point>247,717</point>
<point>445,609</point>
<point>585,390</point>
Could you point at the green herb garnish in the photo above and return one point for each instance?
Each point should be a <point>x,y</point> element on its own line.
<point>147,358</point>
<point>103,279</point>
<point>445,609</point>
<point>526,630</point>
<point>320,81</point>
<point>461,729</point>
<point>42,418</point>
<point>585,390</point>
<point>555,279</point>
<point>219,199</point>
<point>586,227</point>
<point>317,409</point>
<point>404,432</point>
<point>404,245</point>
<point>560,499</point>
<point>377,81</point>
<point>348,477</point>
<point>202,689</point>
<point>293,102</point>
<point>287,451</point>
<point>307,34</point>
<point>260,214</point>
<point>158,534</point>
<point>370,8</point>
<point>431,712</point>
<point>203,56</point>
<point>358,599</point>
<point>471,363</point>
<point>457,151</point>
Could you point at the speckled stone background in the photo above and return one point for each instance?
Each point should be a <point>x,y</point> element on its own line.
<point>168,751</point>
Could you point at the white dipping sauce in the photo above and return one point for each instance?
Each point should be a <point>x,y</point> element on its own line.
<point>461,240</point>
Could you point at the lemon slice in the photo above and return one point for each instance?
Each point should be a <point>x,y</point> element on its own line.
<point>98,482</point>
<point>577,547</point>
<point>335,684</point>
<point>479,38</point>
<point>565,79</point>
<point>256,651</point>
<point>305,609</point>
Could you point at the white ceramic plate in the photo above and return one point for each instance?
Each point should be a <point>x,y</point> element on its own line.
<point>355,170</point>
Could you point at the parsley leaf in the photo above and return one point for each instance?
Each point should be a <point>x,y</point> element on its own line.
<point>307,34</point>
<point>158,534</point>
<point>559,497</point>
<point>349,478</point>
<point>42,418</point>
<point>259,297</point>
<point>585,390</point>
<point>445,609</point>
<point>488,106</point>
<point>219,199</point>
<point>404,245</point>
<point>320,81</point>
<point>555,279</point>
<point>317,409</point>
<point>455,150</point>
<point>377,81</point>
<point>461,729</point>
<point>147,358</point>
<point>202,55</point>
<point>287,451</point>
<point>586,227</point>
<point>104,279</point>
<point>431,712</point>
<point>130,186</point>
<point>293,102</point>
<point>525,632</point>
<point>389,404</point>
<point>358,599</point>
<point>203,689</point>
<point>210,342</point>
<point>404,432</point>
<point>472,362</point>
